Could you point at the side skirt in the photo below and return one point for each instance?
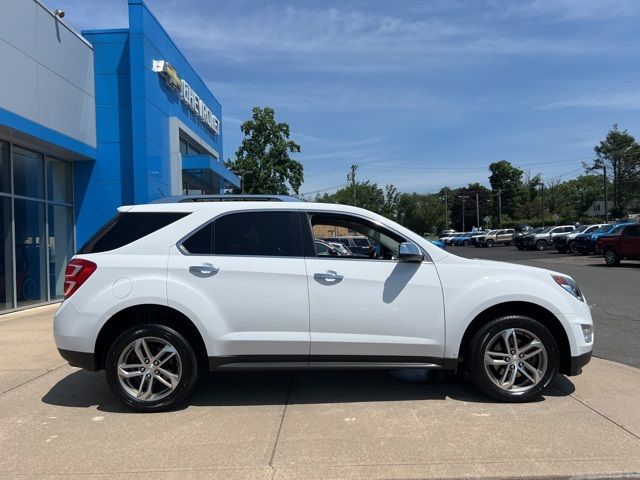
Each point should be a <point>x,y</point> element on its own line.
<point>313,362</point>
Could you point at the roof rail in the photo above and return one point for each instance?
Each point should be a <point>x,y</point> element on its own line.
<point>226,198</point>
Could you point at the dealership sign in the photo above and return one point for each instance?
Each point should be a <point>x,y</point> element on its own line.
<point>187,94</point>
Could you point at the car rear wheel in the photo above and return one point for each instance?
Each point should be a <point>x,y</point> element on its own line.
<point>151,368</point>
<point>611,258</point>
<point>490,243</point>
<point>513,359</point>
<point>541,245</point>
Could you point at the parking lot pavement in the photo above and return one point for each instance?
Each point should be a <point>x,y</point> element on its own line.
<point>61,422</point>
<point>612,292</point>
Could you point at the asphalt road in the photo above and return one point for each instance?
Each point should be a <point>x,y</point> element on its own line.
<point>613,294</point>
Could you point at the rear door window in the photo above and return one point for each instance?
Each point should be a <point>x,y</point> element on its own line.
<point>128,227</point>
<point>266,234</point>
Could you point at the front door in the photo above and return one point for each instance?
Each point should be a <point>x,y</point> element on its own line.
<point>372,308</point>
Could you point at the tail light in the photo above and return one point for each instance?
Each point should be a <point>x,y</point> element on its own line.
<point>78,271</point>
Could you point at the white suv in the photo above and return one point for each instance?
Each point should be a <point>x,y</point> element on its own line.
<point>164,291</point>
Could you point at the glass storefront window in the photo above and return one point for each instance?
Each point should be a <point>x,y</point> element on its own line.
<point>59,181</point>
<point>29,252</point>
<point>6,255</point>
<point>5,168</point>
<point>28,174</point>
<point>60,247</point>
<point>37,232</point>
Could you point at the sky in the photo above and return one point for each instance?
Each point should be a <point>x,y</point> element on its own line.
<point>419,94</point>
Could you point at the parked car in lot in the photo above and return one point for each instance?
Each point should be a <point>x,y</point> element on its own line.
<point>163,291</point>
<point>465,240</point>
<point>585,243</point>
<point>439,244</point>
<point>565,242</point>
<point>447,238</point>
<point>495,237</point>
<point>544,238</point>
<point>356,244</point>
<point>624,243</point>
<point>520,232</point>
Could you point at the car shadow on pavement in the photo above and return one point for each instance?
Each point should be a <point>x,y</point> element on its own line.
<point>623,264</point>
<point>83,389</point>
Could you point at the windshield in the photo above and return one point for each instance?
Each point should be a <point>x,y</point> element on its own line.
<point>545,230</point>
<point>603,229</point>
<point>581,229</point>
<point>617,228</point>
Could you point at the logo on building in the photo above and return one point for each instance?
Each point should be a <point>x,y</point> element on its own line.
<point>187,94</point>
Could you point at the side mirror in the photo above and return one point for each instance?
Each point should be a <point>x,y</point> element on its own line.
<point>410,252</point>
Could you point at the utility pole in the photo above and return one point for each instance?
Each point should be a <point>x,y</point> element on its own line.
<point>477,212</point>
<point>446,210</point>
<point>351,177</point>
<point>604,187</point>
<point>464,199</point>
<point>499,208</point>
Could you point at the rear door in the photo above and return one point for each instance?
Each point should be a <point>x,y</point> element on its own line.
<point>630,241</point>
<point>243,275</point>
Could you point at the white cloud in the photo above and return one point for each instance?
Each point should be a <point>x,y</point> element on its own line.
<point>612,101</point>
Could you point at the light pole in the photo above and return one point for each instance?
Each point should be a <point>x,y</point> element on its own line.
<point>242,174</point>
<point>464,199</point>
<point>477,212</point>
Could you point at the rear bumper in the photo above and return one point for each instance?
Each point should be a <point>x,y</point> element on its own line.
<point>575,367</point>
<point>79,359</point>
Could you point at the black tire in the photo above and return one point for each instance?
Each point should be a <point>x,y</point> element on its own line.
<point>475,353</point>
<point>611,258</point>
<point>467,243</point>
<point>519,247</point>
<point>490,243</point>
<point>572,247</point>
<point>541,245</point>
<point>184,353</point>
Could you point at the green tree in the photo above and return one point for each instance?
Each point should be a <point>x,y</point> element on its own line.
<point>508,180</point>
<point>421,213</point>
<point>368,195</point>
<point>620,153</point>
<point>263,156</point>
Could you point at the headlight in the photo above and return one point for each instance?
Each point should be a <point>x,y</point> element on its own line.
<point>569,285</point>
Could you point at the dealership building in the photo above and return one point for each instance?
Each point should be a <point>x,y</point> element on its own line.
<point>89,122</point>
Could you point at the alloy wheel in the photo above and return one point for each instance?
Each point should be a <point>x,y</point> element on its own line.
<point>149,369</point>
<point>515,360</point>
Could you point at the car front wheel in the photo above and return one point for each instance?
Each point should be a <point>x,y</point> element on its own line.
<point>490,243</point>
<point>513,359</point>
<point>151,368</point>
<point>541,245</point>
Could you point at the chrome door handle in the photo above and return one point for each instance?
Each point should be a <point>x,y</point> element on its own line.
<point>328,275</point>
<point>204,270</point>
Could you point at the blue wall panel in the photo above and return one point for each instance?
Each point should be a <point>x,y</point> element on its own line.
<point>133,107</point>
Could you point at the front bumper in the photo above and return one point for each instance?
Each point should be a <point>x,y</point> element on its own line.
<point>575,367</point>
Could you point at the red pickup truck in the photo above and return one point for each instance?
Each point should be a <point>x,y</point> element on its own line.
<point>623,244</point>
